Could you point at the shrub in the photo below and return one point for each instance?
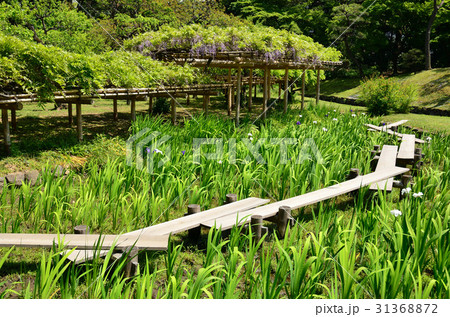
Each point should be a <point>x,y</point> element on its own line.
<point>383,96</point>
<point>162,105</point>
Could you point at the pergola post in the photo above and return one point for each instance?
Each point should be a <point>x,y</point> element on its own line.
<point>238,94</point>
<point>318,87</point>
<point>150,105</point>
<point>174,110</point>
<point>269,83</point>
<point>205,104</point>
<point>188,100</point>
<point>79,122</point>
<point>230,93</point>
<point>286,89</point>
<point>133,109</point>
<point>6,132</point>
<point>70,112</point>
<point>279,90</point>
<point>303,87</point>
<point>13,119</point>
<point>265,92</point>
<point>115,114</point>
<point>250,85</point>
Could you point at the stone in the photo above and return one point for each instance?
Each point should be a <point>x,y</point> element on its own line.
<point>59,171</point>
<point>2,182</point>
<point>31,177</point>
<point>15,178</point>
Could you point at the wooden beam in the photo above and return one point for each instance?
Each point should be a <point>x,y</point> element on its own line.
<point>11,106</point>
<point>174,110</point>
<point>238,95</point>
<point>303,88</point>
<point>133,109</point>
<point>6,132</point>
<point>318,87</point>
<point>115,113</point>
<point>70,113</point>
<point>79,123</point>
<point>250,85</point>
<point>286,89</point>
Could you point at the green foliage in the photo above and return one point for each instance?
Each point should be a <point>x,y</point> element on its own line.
<point>36,68</point>
<point>412,60</point>
<point>383,96</point>
<point>162,105</point>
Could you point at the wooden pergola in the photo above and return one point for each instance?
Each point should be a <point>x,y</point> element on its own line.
<point>251,60</point>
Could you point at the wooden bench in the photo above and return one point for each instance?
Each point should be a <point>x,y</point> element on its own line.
<point>387,160</point>
<point>380,129</point>
<point>271,210</point>
<point>83,241</point>
<point>180,224</point>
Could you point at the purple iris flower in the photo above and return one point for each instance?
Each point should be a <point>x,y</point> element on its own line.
<point>298,123</point>
<point>183,152</point>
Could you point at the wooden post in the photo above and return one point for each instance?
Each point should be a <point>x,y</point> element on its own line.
<point>194,233</point>
<point>266,70</point>
<point>286,89</point>
<point>256,88</point>
<point>205,104</point>
<point>230,93</point>
<point>81,229</point>
<point>269,84</point>
<point>230,198</point>
<point>6,132</point>
<point>250,85</point>
<point>283,215</point>
<point>318,87</point>
<point>238,94</point>
<point>70,111</point>
<point>256,224</point>
<point>188,100</point>
<point>303,88</point>
<point>406,179</point>
<point>174,110</point>
<point>279,90</point>
<point>13,119</point>
<point>115,114</point>
<point>150,106</point>
<point>354,172</point>
<point>79,122</point>
<point>133,109</point>
<point>132,262</point>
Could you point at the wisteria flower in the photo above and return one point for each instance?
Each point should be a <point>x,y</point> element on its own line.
<point>315,122</point>
<point>406,190</point>
<point>396,212</point>
<point>353,115</point>
<point>428,139</point>
<point>157,151</point>
<point>298,123</point>
<point>335,119</point>
<point>419,194</point>
<point>324,129</point>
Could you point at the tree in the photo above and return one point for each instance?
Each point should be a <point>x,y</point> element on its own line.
<point>436,8</point>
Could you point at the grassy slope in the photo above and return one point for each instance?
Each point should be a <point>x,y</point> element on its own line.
<point>433,87</point>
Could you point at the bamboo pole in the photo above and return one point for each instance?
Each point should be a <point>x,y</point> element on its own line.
<point>133,109</point>
<point>6,132</point>
<point>303,88</point>
<point>70,112</point>
<point>230,102</point>
<point>286,89</point>
<point>318,87</point>
<point>250,85</point>
<point>115,114</point>
<point>238,94</point>
<point>79,123</point>
<point>174,110</point>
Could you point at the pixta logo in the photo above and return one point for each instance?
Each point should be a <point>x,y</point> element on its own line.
<point>144,147</point>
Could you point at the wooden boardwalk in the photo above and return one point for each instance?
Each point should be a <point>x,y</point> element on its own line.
<point>407,148</point>
<point>381,129</point>
<point>387,160</point>
<point>270,210</point>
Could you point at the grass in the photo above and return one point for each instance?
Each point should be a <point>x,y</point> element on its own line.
<point>386,257</point>
<point>433,87</point>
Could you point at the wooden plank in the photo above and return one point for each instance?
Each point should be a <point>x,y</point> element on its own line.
<point>407,147</point>
<point>6,132</point>
<point>387,160</point>
<point>83,241</point>
<point>395,124</point>
<point>270,210</point>
<point>380,129</point>
<point>181,224</point>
